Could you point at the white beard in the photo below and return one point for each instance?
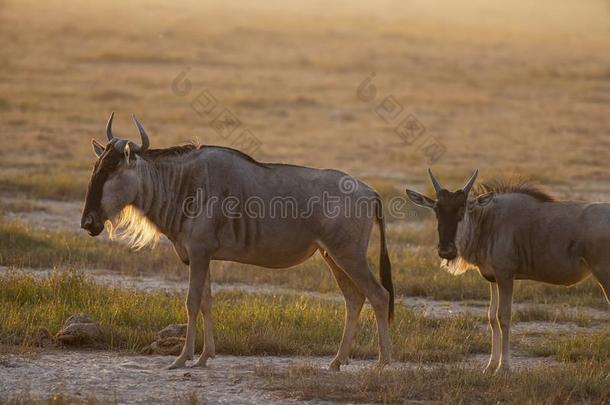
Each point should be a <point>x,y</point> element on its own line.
<point>459,265</point>
<point>456,266</point>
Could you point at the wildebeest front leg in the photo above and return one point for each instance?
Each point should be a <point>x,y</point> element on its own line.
<point>505,300</point>
<point>354,300</point>
<point>494,358</point>
<point>198,273</point>
<point>209,351</point>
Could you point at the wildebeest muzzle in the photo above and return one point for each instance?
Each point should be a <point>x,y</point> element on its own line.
<point>92,223</point>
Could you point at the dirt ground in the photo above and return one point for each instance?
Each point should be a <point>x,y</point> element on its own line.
<point>139,379</point>
<point>143,379</point>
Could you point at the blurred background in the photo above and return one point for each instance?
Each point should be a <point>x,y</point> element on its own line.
<point>501,86</point>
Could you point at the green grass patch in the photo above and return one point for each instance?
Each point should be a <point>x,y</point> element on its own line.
<point>245,323</point>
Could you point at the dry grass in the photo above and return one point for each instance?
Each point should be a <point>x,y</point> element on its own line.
<point>573,347</point>
<point>22,246</point>
<point>46,185</point>
<point>581,382</point>
<point>533,313</point>
<point>21,204</point>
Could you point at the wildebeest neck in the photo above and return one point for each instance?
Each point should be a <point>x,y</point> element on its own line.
<point>165,184</point>
<point>475,234</point>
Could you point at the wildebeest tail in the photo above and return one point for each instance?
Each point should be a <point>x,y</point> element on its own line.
<point>385,267</point>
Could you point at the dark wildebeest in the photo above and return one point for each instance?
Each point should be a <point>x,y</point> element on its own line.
<point>514,230</point>
<point>232,215</point>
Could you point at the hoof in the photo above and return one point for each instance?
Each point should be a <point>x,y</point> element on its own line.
<point>176,365</point>
<point>203,361</point>
<point>502,369</point>
<point>334,365</point>
<point>490,369</point>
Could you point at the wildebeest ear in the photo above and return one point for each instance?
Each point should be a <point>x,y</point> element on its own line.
<point>485,199</point>
<point>98,148</point>
<point>420,199</point>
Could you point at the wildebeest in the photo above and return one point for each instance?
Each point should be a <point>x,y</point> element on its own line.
<point>514,230</point>
<point>145,192</point>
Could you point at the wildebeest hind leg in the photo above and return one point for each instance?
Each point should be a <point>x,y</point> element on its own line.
<point>354,299</point>
<point>357,268</point>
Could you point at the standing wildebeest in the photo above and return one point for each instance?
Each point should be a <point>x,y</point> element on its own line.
<point>513,230</point>
<point>145,192</point>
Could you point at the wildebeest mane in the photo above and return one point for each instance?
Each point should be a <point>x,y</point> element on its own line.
<point>238,153</point>
<point>156,154</point>
<point>514,185</point>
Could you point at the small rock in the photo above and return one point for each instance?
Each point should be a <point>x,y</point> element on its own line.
<point>169,342</point>
<point>174,330</point>
<point>80,329</point>
<point>170,346</point>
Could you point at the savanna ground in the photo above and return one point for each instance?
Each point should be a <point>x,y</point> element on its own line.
<point>517,87</point>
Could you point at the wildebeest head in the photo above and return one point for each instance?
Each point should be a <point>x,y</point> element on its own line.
<point>449,208</point>
<point>113,183</point>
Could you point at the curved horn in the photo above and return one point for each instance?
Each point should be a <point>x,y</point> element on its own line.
<point>468,186</point>
<point>143,135</point>
<point>435,183</point>
<point>109,127</point>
